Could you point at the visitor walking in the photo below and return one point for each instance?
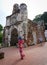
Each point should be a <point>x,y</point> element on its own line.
<point>20,44</point>
<point>40,40</point>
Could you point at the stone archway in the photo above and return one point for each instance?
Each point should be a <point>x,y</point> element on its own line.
<point>14,37</point>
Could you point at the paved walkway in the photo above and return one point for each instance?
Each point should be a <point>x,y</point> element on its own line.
<point>34,55</point>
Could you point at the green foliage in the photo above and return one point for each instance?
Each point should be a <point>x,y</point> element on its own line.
<point>41,17</point>
<point>44,17</point>
<point>1,35</point>
<point>37,18</point>
<point>1,27</point>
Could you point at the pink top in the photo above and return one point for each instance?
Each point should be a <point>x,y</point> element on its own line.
<point>20,43</point>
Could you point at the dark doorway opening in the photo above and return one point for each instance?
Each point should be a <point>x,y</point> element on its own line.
<point>14,37</point>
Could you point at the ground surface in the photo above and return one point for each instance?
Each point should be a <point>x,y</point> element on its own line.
<point>34,55</point>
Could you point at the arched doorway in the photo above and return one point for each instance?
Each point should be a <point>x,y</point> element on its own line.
<point>14,37</point>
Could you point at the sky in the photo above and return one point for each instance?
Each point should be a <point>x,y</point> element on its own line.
<point>34,7</point>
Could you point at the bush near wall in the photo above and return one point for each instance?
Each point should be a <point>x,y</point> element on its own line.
<point>1,35</point>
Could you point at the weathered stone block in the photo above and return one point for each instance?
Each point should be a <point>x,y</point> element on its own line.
<point>1,55</point>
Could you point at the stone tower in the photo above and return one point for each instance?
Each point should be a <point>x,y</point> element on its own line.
<point>24,18</point>
<point>16,8</point>
<point>23,11</point>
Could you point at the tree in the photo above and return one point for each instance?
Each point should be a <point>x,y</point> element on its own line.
<point>1,27</point>
<point>40,17</point>
<point>37,18</point>
<point>44,17</point>
<point>1,35</point>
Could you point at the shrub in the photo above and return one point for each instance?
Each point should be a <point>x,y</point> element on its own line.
<point>1,35</point>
